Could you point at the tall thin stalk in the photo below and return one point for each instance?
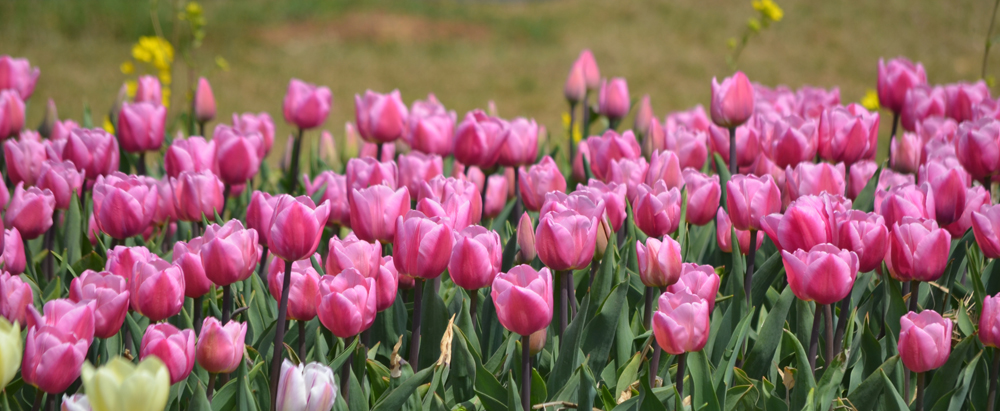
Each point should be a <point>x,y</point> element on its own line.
<point>814,338</point>
<point>279,334</point>
<point>293,169</point>
<point>418,297</point>
<point>525,372</point>
<point>989,40</point>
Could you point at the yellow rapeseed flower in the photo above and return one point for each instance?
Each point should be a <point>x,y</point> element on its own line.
<point>131,86</point>
<point>110,128</point>
<point>870,100</point>
<point>166,97</point>
<point>769,9</point>
<point>127,67</point>
<point>577,135</point>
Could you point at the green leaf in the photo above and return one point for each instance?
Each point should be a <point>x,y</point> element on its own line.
<point>764,277</point>
<point>74,229</point>
<point>892,401</point>
<point>199,399</point>
<point>804,380</point>
<point>866,198</point>
<point>435,320</point>
<point>723,376</point>
<point>948,375</point>
<point>587,390</point>
<point>513,395</point>
<point>398,396</point>
<point>976,272</point>
<point>344,356</point>
<point>724,176</point>
<point>872,386</point>
<point>599,334</point>
<point>226,398</point>
<point>829,385</point>
<point>704,397</point>
<point>463,367</point>
<point>769,336</point>
<point>958,400</point>
<point>490,391</point>
<point>629,375</point>
<point>539,393</point>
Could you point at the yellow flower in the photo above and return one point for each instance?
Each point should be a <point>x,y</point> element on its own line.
<point>166,97</point>
<point>127,67</point>
<point>769,9</point>
<point>11,350</point>
<point>108,126</point>
<point>870,100</point>
<point>121,385</point>
<point>131,86</point>
<point>577,135</point>
<point>753,24</point>
<point>222,63</point>
<point>193,8</point>
<point>165,77</point>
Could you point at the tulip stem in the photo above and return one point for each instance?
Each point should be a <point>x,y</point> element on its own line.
<point>140,164</point>
<point>210,389</point>
<point>563,302</point>
<point>279,333</point>
<point>525,372</point>
<point>473,302</point>
<point>895,125</point>
<point>733,166</point>
<point>586,114</point>
<point>814,338</point>
<point>518,203</point>
<point>293,170</point>
<point>647,318</point>
<point>994,370</point>
<point>914,291</point>
<point>301,325</point>
<point>201,128</point>
<point>679,378</point>
<point>920,391</point>
<point>196,314</point>
<point>828,313</point>
<point>227,303</point>
<point>751,256</point>
<point>345,374</point>
<point>261,267</point>
<point>838,338</point>
<point>39,395</point>
<point>47,264</point>
<point>572,143</point>
<point>654,364</point>
<point>418,298</point>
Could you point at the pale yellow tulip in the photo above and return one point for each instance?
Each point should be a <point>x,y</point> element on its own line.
<point>11,349</point>
<point>121,385</point>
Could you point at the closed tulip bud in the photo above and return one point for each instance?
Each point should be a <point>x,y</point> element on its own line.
<point>585,71</point>
<point>907,150</point>
<point>664,166</point>
<point>644,116</point>
<point>430,127</point>
<point>156,289</point>
<point>519,144</point>
<point>457,202</point>
<point>575,89</point>
<point>496,195</point>
<point>11,350</point>
<point>612,194</point>
<point>793,141</point>
<point>582,151</point>
<point>478,139</point>
<point>387,282</point>
<point>732,100</point>
<point>609,147</point>
<point>895,79</point>
<point>986,228</point>
<point>963,97</point>
<point>123,385</point>
<point>848,134</point>
<point>416,168</point>
<point>197,195</point>
<point>814,179</point>
<point>93,151</point>
<point>703,193</point>
<point>229,253</point>
<point>690,145</point>
<point>657,209</point>
<point>723,234</point>
<point>566,240</point>
<point>523,299</point>
<point>140,126</point>
<point>824,274</point>
<point>24,158</point>
<point>62,179</point>
<point>976,144</point>
<point>334,188</point>
<point>30,211</point>
<point>296,227</point>
<point>907,200</point>
<point>540,179</point>
<point>921,102</point>
<point>656,139</point>
<point>859,175</point>
<point>110,294</point>
<point>680,324</point>
<point>374,211</point>
<point>260,211</point>
<point>13,252</point>
<point>204,102</point>
<point>366,172</point>
<point>630,173</point>
<point>475,257</point>
<point>807,221</point>
<point>989,323</point>
<point>121,260</point>
<point>924,340</point>
<point>918,250</point>
<point>380,117</point>
<point>248,123</point>
<point>304,291</point>
<point>659,262</point>
<point>187,256</point>
<point>949,185</point>
<point>306,106</point>
<point>347,303</point>
<point>526,239</point>
<point>751,198</point>
<point>124,205</point>
<point>700,280</point>
<point>613,100</point>
<point>353,253</point>
<point>17,297</point>
<point>422,245</point>
<point>11,114</point>
<point>174,347</point>
<point>148,90</point>
<point>864,234</point>
<point>305,387</point>
<point>748,138</point>
<point>52,358</point>
<point>18,75</point>
<point>237,155</point>
<point>220,348</point>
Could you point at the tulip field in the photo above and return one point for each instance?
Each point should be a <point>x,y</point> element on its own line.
<point>752,252</point>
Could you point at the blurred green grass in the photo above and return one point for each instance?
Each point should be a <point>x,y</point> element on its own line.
<point>470,52</point>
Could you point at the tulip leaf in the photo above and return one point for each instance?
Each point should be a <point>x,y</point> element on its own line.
<point>345,355</point>
<point>569,345</point>
<point>513,395</point>
<point>435,321</point>
<point>897,308</point>
<point>490,391</point>
<point>629,375</point>
<point>723,376</point>
<point>892,400</point>
<point>74,229</point>
<point>225,399</point>
<point>509,253</point>
<point>394,400</point>
<point>976,271</point>
<point>828,387</point>
<point>647,400</point>
<point>769,336</point>
<point>872,386</point>
<point>724,177</point>
<point>199,399</point>
<point>958,401</point>
<point>599,334</point>
<point>587,389</point>
<point>704,397</point>
<point>804,380</point>
<point>464,364</point>
<point>865,201</point>
<point>764,277</point>
<point>948,375</point>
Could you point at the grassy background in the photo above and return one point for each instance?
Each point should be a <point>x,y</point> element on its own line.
<point>468,53</point>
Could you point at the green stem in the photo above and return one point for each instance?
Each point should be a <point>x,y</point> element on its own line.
<point>989,41</point>
<point>415,334</point>
<point>525,372</point>
<point>279,334</point>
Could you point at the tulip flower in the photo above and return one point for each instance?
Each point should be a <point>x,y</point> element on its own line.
<point>814,179</point>
<point>963,97</point>
<point>583,75</point>
<point>565,240</point>
<point>334,188</point>
<point>11,350</point>
<point>24,158</point>
<point>613,196</point>
<point>895,78</point>
<point>374,211</point>
<point>474,175</point>
<point>458,202</point>
<point>949,185</point>
<point>808,221</point>
<point>582,151</point>
<point>585,203</point>
<point>824,274</point>
<point>751,198</point>
<point>237,155</point>
<point>13,252</point>
<point>93,151</point>
<point>52,358</point>
<point>921,102</point>
<point>306,105</point>
<point>366,172</point>
<point>680,324</point>
<point>906,152</point>
<point>197,195</point>
<point>924,340</point>
<point>812,101</point>
<point>858,177</point>
<point>220,348</point>
<point>380,118</point>
<point>747,140</point>
<point>18,75</point>
<point>613,100</point>
<point>609,147</point>
<point>121,385</point>
<point>475,257</point>
<point>347,303</point>
<point>989,323</point>
<point>11,113</point>
<point>149,90</point>
<point>848,135</point>
<point>296,227</point>
<point>304,291</point>
<point>691,146</point>
<point>704,193</point>
<point>986,227</point>
<point>732,100</point>
<point>496,195</point>
<point>523,299</point>
<point>174,347</point>
<point>305,387</point>
<point>793,141</point>
<point>17,297</point>
<point>628,172</point>
<point>975,198</point>
<point>76,402</point>
<point>538,180</point>
<point>247,123</point>
<point>422,245</point>
<point>519,145</point>
<point>62,179</point>
<point>918,250</point>
<point>124,205</point>
<point>700,280</point>
<point>229,253</point>
<point>655,139</point>
<point>416,168</point>
<point>110,294</point>
<point>864,234</point>
<point>723,235</point>
<point>121,260</point>
<point>478,139</point>
<point>140,126</point>
<point>526,239</point>
<point>430,127</point>
<point>976,145</point>
<point>659,262</point>
<point>657,209</point>
<point>644,116</point>
<point>187,256</point>
<point>204,102</point>
<point>156,289</point>
<point>908,200</point>
<point>30,211</point>
<point>260,211</point>
<point>664,166</point>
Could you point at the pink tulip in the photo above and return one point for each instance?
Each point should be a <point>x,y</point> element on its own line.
<point>613,100</point>
<point>975,198</point>
<point>691,146</point>
<point>523,299</point>
<point>416,168</point>
<point>628,172</point>
<point>260,211</point>
<point>587,203</point>
<point>949,187</point>
<point>519,144</point>
<point>430,127</point>
<point>613,196</point>
<point>248,123</point>
<point>793,141</point>
<point>751,198</point>
<point>478,139</point>
<point>774,103</point>
<point>582,151</point>
<point>583,75</point>
<point>174,347</point>
<point>655,139</point>
<point>454,200</point>
<point>11,114</point>
<point>380,118</point>
<point>353,253</point>
<point>921,102</point>
<point>657,209</point>
<point>229,253</point>
<point>963,97</point>
<point>907,200</point>
<point>76,318</point>
<point>681,323</point>
<point>124,205</point>
<point>986,228</point>
<point>918,250</point>
<point>121,260</point>
<point>17,297</point>
<point>723,234</point>
<point>496,195</point>
<point>858,177</point>
<point>17,74</point>
<point>895,79</point>
<point>422,245</point>
<point>700,280</point>
<point>187,256</point>
<point>907,151</point>
<point>367,172</point>
<point>748,137</point>
<point>149,90</point>
<point>664,166</point>
<point>52,358</point>
<point>346,303</point>
<point>824,274</point>
<point>304,291</point>
<point>296,227</point>
<point>197,195</point>
<point>30,211</point>
<point>864,234</point>
<point>306,106</point>
<point>659,262</point>
<point>989,322</point>
<point>808,221</point>
<point>387,282</point>
<point>334,188</point>
<point>924,340</point>
<point>140,126</point>
<point>644,116</point>
<point>24,158</point>
<point>204,102</point>
<point>704,193</point>
<point>237,155</point>
<point>732,100</point>
<point>565,240</point>
<point>848,134</point>
<point>110,294</point>
<point>475,257</point>
<point>609,147</point>
<point>526,239</point>
<point>813,179</point>
<point>13,252</point>
<point>156,289</point>
<point>540,179</point>
<point>62,179</point>
<point>977,146</point>
<point>374,211</point>
<point>93,151</point>
<point>476,176</point>
<point>812,101</point>
<point>220,348</point>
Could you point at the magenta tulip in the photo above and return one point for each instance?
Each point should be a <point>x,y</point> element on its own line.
<point>700,280</point>
<point>374,211</point>
<point>24,158</point>
<point>203,104</point>
<point>124,205</point>
<point>540,179</point>
<point>475,257</point>
<point>30,211</point>
<point>422,245</point>
<point>986,228</point>
<point>296,227</point>
<point>187,256</point>
<point>121,260</point>
<point>989,322</point>
<point>17,74</point>
<point>156,289</point>
<point>93,151</point>
<point>963,97</point>
<point>977,145</point>
<point>848,135</point>
<point>17,297</point>
<point>975,198</point>
<point>220,348</point>
<point>609,147</point>
<point>657,209</point>
<point>13,252</point>
<point>519,144</point>
<point>824,274</point>
<point>921,102</point>
<point>306,106</point>
<point>52,358</point>
<point>11,114</point>
<point>458,202</point>
<point>416,168</point>
<point>304,291</point>
<point>732,100</point>
<point>918,250</point>
<point>380,118</point>
<point>140,126</point>
<point>924,340</point>
<point>197,195</point>
<point>895,79</point>
<point>723,234</point>
<point>703,193</point>
<point>353,253</point>
<point>565,240</point>
<point>149,90</point>
<point>62,179</point>
<point>346,303</point>
<point>907,200</point>
<point>751,198</point>
<point>230,253</point>
<point>523,299</point>
<point>430,127</point>
<point>864,234</point>
<point>681,323</point>
<point>659,262</point>
<point>807,222</point>
<point>949,185</point>
<point>793,141</point>
<point>237,155</point>
<point>110,294</point>
<point>612,99</point>
<point>174,347</point>
<point>247,123</point>
<point>260,211</point>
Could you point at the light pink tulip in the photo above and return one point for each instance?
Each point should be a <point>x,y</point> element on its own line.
<point>613,196</point>
<point>864,234</point>
<point>704,193</point>
<point>197,195</point>
<point>296,227</point>
<point>496,195</point>
<point>247,123</point>
<point>334,188</point>
<point>149,90</point>
<point>681,323</point>
<point>13,252</point>
<point>24,158</point>
<point>237,155</point>
<point>306,106</point>
<point>690,145</point>
<point>519,146</point>
<point>455,200</point>
<point>475,257</point>
<point>346,303</point>
<point>583,75</point>
<point>229,253</point>
<point>751,198</point>
<point>664,166</point>
<point>416,168</point>
<point>422,245</point>
<point>523,299</point>
<point>220,348</point>
<point>52,358</point>
<point>478,139</point>
<point>814,179</point>
<point>657,209</point>
<point>659,262</point>
<point>540,179</point>
<point>793,141</point>
<point>732,100</point>
<point>304,291</point>
<point>30,211</point>
<point>628,172</point>
<point>924,340</point>
<point>609,147</point>
<point>187,256</point>
<point>918,250</point>
<point>989,322</point>
<point>921,102</point>
<point>566,240</point>
<point>17,297</point>
<point>381,118</point>
<point>895,78</point>
<point>977,146</point>
<point>723,234</point>
<point>748,136</point>
<point>140,126</point>
<point>963,97</point>
<point>110,295</point>
<point>848,135</point>
<point>156,289</point>
<point>93,151</point>
<point>374,211</point>
<point>807,222</point>
<point>824,274</point>
<point>204,103</point>
<point>860,173</point>
<point>700,280</point>
<point>174,347</point>
<point>121,260</point>
<point>366,172</point>
<point>62,179</point>
<point>526,239</point>
<point>124,205</point>
<point>11,114</point>
<point>812,100</point>
<point>430,127</point>
<point>612,99</point>
<point>17,74</point>
<point>907,200</point>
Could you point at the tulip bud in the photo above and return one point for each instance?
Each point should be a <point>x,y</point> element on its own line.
<point>536,343</point>
<point>680,324</point>
<point>17,75</point>
<point>583,75</point>
<point>963,97</point>
<point>659,262</point>
<point>11,113</point>
<point>229,253</point>
<point>657,209</point>
<point>566,240</point>
<point>110,294</point>
<point>140,126</point>
<point>24,158</point>
<point>609,147</point>
<point>475,257</point>
<point>296,227</point>
<point>519,144</point>
<point>430,127</point>
<point>172,346</point>
<point>918,250</point>
<point>732,100</point>
<point>305,387</point>
<point>703,193</point>
<point>93,151</point>
<point>924,340</point>
<point>304,291</point>
<point>422,245</point>
<point>156,289</point>
<point>814,179</point>
<point>347,303</point>
<point>220,348</point>
<point>374,211</point>
<point>613,100</point>
<point>523,299</point>
<point>187,256</point>
<point>204,102</point>
<point>123,385</point>
<point>824,274</point>
<point>62,179</point>
<point>30,211</point>
<point>496,195</point>
<point>380,118</point>
<point>415,169</point>
<point>723,234</point>
<point>540,179</point>
<point>13,252</point>
<point>895,79</point>
<point>237,155</point>
<point>197,195</point>
<point>751,198</point>
<point>989,323</point>
<point>123,205</point>
<point>63,354</point>
<point>478,139</point>
<point>306,106</point>
<point>848,134</point>
<point>526,239</point>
